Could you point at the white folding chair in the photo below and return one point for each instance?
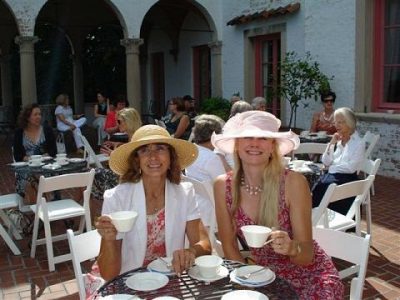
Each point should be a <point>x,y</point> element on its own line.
<point>83,247</point>
<point>371,140</point>
<point>92,158</point>
<point>369,167</point>
<point>59,210</point>
<point>160,123</point>
<point>324,217</point>
<point>7,202</point>
<point>310,148</point>
<point>348,247</point>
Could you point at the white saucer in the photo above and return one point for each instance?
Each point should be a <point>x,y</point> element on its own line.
<point>147,281</point>
<point>76,160</point>
<point>46,158</point>
<point>63,163</point>
<point>166,298</point>
<point>36,166</point>
<point>51,166</point>
<point>256,280</point>
<point>19,164</point>
<point>244,295</point>
<point>159,266</point>
<point>120,297</point>
<point>195,273</point>
<point>303,169</point>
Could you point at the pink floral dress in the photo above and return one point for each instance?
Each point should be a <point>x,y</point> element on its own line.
<point>319,280</point>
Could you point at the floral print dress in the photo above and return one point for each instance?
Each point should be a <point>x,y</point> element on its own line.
<point>319,280</point>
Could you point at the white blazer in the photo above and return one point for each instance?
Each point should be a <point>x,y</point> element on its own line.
<point>180,207</point>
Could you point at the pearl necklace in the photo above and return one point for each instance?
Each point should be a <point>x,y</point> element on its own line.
<point>250,189</point>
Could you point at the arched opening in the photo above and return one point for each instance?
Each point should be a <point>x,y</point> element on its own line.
<point>175,54</point>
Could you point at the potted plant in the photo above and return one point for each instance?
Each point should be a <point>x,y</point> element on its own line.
<point>216,106</point>
<point>301,79</point>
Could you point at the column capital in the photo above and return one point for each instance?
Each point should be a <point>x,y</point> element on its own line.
<point>26,43</point>
<point>216,47</point>
<point>132,45</point>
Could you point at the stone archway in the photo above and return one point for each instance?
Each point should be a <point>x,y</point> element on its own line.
<point>171,30</point>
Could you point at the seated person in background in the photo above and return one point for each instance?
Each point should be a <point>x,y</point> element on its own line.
<point>238,107</point>
<point>259,103</point>
<point>66,120</point>
<point>168,115</point>
<point>235,98</point>
<point>260,191</point>
<point>179,125</point>
<point>111,125</point>
<point>31,138</point>
<point>344,156</point>
<point>100,114</point>
<point>208,165</point>
<point>323,121</point>
<point>150,183</point>
<point>189,103</point>
<point>128,121</point>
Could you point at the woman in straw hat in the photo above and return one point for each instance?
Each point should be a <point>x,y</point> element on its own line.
<point>261,191</point>
<point>150,172</point>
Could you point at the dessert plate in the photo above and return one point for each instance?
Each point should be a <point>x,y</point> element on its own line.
<point>160,266</point>
<point>51,166</point>
<point>244,295</point>
<point>35,166</point>
<point>76,160</point>
<point>194,272</point>
<point>147,281</point>
<point>19,164</point>
<point>256,280</point>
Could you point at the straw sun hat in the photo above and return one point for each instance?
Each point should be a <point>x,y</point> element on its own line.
<point>258,124</point>
<point>152,134</point>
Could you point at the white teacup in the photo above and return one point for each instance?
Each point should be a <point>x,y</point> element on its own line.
<point>321,134</point>
<point>256,235</point>
<point>61,155</point>
<point>297,164</point>
<point>286,160</point>
<point>36,157</point>
<point>61,160</point>
<point>35,162</point>
<point>208,265</point>
<point>304,133</point>
<point>123,220</point>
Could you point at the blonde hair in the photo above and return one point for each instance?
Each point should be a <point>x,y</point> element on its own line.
<point>131,118</point>
<point>269,200</point>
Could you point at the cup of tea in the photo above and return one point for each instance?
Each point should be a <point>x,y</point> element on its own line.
<point>256,235</point>
<point>208,265</point>
<point>123,220</point>
<point>298,164</point>
<point>321,134</point>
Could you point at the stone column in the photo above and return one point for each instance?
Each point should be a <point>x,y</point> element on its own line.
<point>79,101</point>
<point>6,83</point>
<point>28,77</point>
<point>134,94</point>
<point>216,68</point>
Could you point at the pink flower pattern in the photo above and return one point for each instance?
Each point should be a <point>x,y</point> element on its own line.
<point>155,237</point>
<point>319,280</point>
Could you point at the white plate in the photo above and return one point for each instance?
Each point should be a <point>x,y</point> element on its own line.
<point>35,166</point>
<point>147,281</point>
<point>166,298</point>
<point>51,166</point>
<point>256,280</point>
<point>195,273</point>
<point>120,133</point>
<point>244,295</point>
<point>19,164</point>
<point>159,266</point>
<point>46,158</point>
<point>76,160</point>
<point>120,297</point>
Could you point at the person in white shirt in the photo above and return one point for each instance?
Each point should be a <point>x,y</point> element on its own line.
<point>208,164</point>
<point>343,157</point>
<point>66,120</point>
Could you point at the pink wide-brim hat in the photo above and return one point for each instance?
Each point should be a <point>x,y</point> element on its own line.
<point>257,124</point>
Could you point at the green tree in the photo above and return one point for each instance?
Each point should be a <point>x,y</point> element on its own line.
<point>301,80</point>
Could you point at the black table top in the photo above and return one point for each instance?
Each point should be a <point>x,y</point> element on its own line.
<point>315,139</point>
<point>185,287</point>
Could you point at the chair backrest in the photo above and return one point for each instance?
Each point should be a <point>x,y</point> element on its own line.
<point>371,140</point>
<point>160,123</point>
<point>89,153</point>
<point>370,167</point>
<point>358,189</point>
<point>348,247</point>
<point>310,148</point>
<point>83,247</point>
<point>62,182</point>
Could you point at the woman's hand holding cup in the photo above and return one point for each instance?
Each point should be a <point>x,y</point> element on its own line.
<point>106,228</point>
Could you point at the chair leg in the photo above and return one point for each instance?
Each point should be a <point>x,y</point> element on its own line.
<point>10,243</point>
<point>368,214</point>
<point>49,246</point>
<point>35,235</point>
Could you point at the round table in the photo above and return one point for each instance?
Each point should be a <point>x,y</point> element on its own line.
<point>185,287</point>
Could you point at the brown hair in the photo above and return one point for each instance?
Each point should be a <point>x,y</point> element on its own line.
<point>60,99</point>
<point>180,104</point>
<point>134,173</point>
<point>25,113</point>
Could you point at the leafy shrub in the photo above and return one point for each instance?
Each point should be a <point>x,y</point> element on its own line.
<point>216,106</point>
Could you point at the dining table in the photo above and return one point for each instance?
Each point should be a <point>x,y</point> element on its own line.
<point>186,287</point>
<point>311,170</point>
<point>315,138</point>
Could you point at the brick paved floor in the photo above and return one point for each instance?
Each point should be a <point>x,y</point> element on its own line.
<point>22,277</point>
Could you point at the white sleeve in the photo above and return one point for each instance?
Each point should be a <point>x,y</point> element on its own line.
<point>59,110</point>
<point>215,167</point>
<point>192,210</point>
<point>327,157</point>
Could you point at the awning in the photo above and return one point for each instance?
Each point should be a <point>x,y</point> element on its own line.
<point>265,14</point>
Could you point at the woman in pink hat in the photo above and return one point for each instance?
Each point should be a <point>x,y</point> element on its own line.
<point>260,191</point>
